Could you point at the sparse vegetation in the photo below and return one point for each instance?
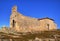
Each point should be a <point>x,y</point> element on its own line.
<point>28,35</point>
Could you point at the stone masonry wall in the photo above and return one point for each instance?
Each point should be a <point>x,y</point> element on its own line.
<point>23,23</point>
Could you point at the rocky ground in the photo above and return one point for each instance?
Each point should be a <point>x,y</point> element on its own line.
<point>11,34</point>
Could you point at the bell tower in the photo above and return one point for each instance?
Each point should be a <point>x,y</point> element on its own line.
<point>14,9</point>
<point>13,17</point>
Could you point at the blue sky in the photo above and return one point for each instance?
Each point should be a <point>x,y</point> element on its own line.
<point>32,8</point>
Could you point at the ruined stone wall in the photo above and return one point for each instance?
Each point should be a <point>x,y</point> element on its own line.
<point>23,23</point>
<point>52,24</point>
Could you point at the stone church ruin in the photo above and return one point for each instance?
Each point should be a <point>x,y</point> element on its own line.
<point>23,23</point>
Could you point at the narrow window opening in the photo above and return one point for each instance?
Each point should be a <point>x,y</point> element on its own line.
<point>14,23</point>
<point>48,26</point>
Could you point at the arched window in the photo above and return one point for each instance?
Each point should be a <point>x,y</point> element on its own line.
<point>14,23</point>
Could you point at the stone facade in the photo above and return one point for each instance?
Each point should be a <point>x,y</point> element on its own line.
<point>23,23</point>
